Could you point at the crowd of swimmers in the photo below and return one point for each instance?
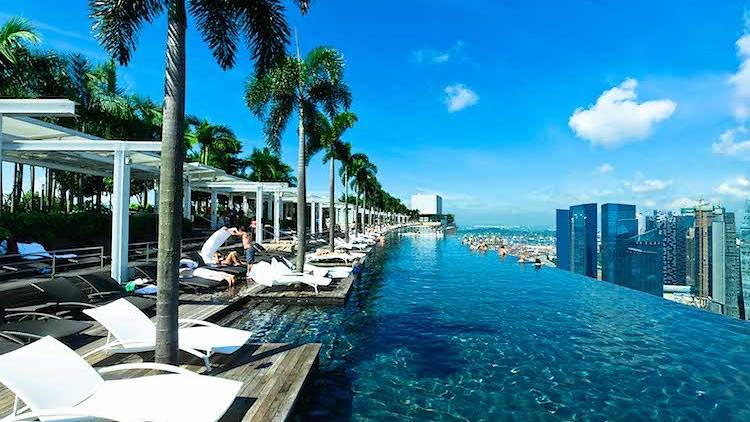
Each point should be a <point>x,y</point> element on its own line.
<point>494,242</point>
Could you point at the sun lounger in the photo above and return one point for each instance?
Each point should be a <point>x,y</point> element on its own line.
<point>33,325</point>
<point>186,281</point>
<point>134,332</point>
<point>67,298</point>
<point>278,274</point>
<point>336,259</point>
<point>55,383</point>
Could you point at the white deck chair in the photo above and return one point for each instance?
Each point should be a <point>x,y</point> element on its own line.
<point>54,383</point>
<point>341,244</point>
<point>278,274</point>
<point>134,332</point>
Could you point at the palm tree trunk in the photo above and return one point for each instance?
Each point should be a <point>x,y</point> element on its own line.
<point>356,212</point>
<point>301,193</point>
<point>364,210</point>
<point>170,187</point>
<point>80,190</point>
<point>331,205</point>
<point>346,204</point>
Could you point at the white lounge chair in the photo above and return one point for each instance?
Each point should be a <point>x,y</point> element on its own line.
<point>134,332</point>
<point>278,274</point>
<point>54,383</point>
<point>341,244</point>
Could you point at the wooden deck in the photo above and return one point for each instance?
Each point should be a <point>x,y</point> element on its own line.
<point>273,374</point>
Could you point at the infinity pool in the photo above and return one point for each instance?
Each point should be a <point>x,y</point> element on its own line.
<point>435,332</point>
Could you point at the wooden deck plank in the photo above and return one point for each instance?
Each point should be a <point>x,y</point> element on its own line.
<point>273,375</point>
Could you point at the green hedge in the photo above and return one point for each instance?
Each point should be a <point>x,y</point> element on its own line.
<point>58,231</point>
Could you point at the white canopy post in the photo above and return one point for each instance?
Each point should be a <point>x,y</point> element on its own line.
<point>187,200</point>
<point>277,205</point>
<point>120,216</point>
<point>312,217</point>
<point>214,210</point>
<point>1,160</point>
<point>320,217</point>
<point>156,195</point>
<point>269,209</point>
<point>245,205</point>
<point>259,214</point>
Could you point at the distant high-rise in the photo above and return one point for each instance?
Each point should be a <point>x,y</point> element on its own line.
<point>645,263</point>
<point>583,252</point>
<point>726,284</point>
<point>641,222</point>
<point>683,223</point>
<point>562,241</point>
<point>666,225</point>
<point>619,225</point>
<point>744,236</point>
<point>704,216</point>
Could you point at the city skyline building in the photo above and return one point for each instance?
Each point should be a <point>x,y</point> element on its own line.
<point>583,239</point>
<point>562,240</point>
<point>618,225</point>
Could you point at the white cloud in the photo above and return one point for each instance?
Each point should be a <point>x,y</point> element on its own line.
<point>431,56</point>
<point>681,202</point>
<point>459,97</point>
<point>618,118</point>
<point>730,145</point>
<point>648,185</point>
<point>738,187</point>
<point>740,81</point>
<point>605,168</point>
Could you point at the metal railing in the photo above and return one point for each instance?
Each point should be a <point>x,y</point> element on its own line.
<point>30,262</point>
<point>148,251</point>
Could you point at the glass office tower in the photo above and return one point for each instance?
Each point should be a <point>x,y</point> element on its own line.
<point>583,253</point>
<point>619,225</point>
<point>562,240</point>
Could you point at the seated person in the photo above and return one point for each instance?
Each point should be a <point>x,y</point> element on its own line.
<point>232,258</point>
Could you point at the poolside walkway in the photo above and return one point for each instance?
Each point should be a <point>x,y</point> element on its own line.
<point>273,374</point>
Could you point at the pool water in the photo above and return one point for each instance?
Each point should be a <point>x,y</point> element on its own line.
<point>433,331</point>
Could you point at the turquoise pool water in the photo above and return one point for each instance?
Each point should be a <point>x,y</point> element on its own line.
<point>435,332</point>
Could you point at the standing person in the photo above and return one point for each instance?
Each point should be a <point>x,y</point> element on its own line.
<point>247,244</point>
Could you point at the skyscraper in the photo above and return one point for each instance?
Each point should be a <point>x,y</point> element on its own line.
<point>583,253</point>
<point>645,263</point>
<point>619,225</point>
<point>683,223</point>
<point>726,282</point>
<point>704,215</point>
<point>744,237</point>
<point>562,241</point>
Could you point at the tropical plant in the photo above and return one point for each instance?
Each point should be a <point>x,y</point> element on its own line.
<point>362,171</point>
<point>15,34</point>
<point>117,24</point>
<point>266,166</point>
<point>344,154</point>
<point>330,135</point>
<point>305,86</point>
<point>214,145</point>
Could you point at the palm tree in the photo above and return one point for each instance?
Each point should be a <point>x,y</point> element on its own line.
<point>267,167</point>
<point>14,35</point>
<point>361,171</point>
<point>304,86</point>
<point>331,133</point>
<point>217,144</point>
<point>344,154</point>
<point>117,24</point>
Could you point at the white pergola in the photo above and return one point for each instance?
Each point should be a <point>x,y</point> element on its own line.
<point>24,139</point>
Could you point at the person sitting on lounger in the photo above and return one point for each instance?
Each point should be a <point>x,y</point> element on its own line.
<point>232,258</point>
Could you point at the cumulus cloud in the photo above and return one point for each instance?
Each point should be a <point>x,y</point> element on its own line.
<point>738,187</point>
<point>648,185</point>
<point>731,146</point>
<point>459,97</point>
<point>681,202</point>
<point>605,168</point>
<point>430,56</point>
<point>740,81</point>
<point>618,118</point>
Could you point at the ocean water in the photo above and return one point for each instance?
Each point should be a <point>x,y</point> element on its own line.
<point>433,331</point>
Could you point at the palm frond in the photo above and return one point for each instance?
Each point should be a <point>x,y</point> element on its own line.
<point>264,26</point>
<point>117,24</point>
<point>13,34</point>
<point>217,21</point>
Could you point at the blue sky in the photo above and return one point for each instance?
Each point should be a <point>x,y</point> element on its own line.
<point>508,109</point>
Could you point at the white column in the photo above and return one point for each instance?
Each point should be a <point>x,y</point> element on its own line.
<point>156,195</point>
<point>1,153</point>
<point>120,216</point>
<point>259,215</point>
<point>187,199</point>
<point>312,217</point>
<point>214,210</point>
<point>277,204</point>
<point>245,205</point>
<point>269,209</point>
<point>320,217</point>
